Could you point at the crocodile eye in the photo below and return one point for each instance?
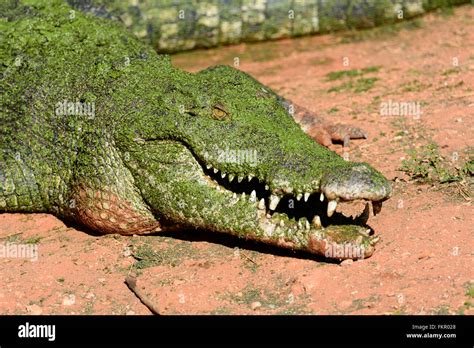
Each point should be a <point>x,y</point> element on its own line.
<point>219,112</point>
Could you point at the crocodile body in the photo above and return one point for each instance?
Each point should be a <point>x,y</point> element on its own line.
<point>175,25</point>
<point>98,128</point>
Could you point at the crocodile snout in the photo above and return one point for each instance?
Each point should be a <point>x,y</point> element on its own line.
<point>357,182</point>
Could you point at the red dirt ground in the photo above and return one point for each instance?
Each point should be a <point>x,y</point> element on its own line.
<point>424,262</point>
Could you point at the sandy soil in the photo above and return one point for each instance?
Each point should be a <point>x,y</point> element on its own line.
<point>424,262</point>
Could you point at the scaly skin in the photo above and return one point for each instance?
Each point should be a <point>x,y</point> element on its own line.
<point>163,149</point>
<point>176,25</point>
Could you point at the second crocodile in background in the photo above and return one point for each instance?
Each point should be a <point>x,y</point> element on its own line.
<point>98,128</point>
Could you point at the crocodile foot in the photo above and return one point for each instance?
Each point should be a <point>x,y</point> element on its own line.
<point>325,132</point>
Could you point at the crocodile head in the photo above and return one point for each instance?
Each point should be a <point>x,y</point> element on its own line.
<point>214,150</point>
<point>223,154</point>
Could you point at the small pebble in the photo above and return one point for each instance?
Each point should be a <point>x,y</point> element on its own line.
<point>127,252</point>
<point>255,305</point>
<point>90,295</point>
<point>69,300</point>
<point>347,262</point>
<point>34,309</point>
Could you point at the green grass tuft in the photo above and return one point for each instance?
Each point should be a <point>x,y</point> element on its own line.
<point>360,85</point>
<point>428,166</point>
<point>337,75</point>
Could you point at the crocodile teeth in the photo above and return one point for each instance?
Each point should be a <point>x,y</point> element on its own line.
<point>250,176</point>
<point>208,166</point>
<point>253,197</point>
<point>223,175</point>
<point>300,225</point>
<point>243,195</point>
<point>364,216</point>
<point>316,221</point>
<point>306,196</point>
<point>274,200</point>
<point>282,223</point>
<point>332,205</point>
<point>321,197</point>
<point>215,170</point>
<point>299,196</point>
<point>366,232</point>
<point>261,204</point>
<point>376,207</point>
<point>240,178</point>
<point>374,240</point>
<point>231,177</point>
<point>234,195</point>
<point>267,187</point>
<point>306,224</point>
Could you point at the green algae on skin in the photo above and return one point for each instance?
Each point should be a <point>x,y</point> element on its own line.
<point>149,156</point>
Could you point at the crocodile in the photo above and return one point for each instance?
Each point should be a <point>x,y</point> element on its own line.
<point>177,25</point>
<point>98,128</point>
